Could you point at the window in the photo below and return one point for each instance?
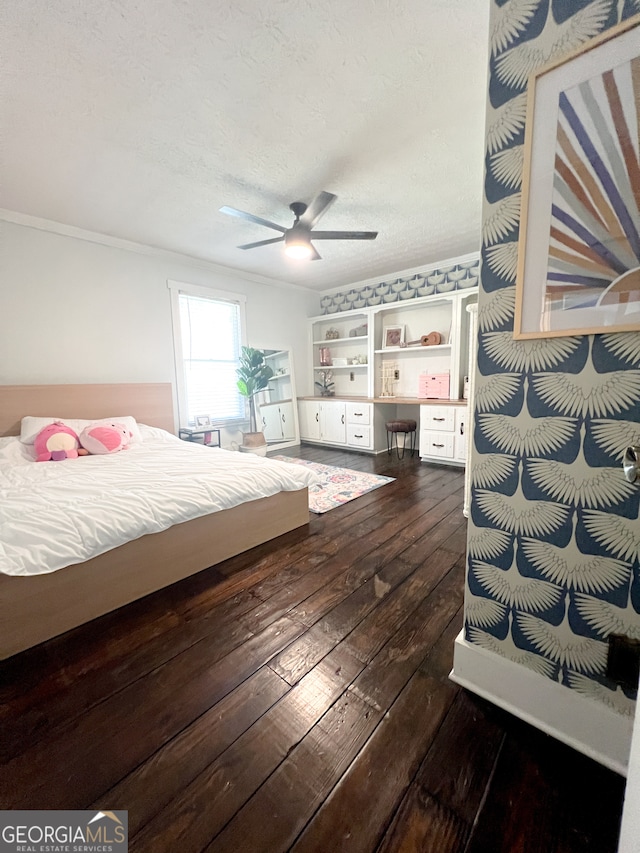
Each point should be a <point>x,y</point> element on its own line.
<point>208,328</point>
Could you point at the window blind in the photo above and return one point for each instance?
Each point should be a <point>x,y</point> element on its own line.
<point>211,339</point>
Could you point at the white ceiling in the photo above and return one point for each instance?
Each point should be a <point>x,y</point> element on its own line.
<point>140,118</point>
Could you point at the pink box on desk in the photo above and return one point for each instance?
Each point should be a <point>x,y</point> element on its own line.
<point>434,386</point>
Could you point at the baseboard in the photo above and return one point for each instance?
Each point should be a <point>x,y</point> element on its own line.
<point>581,722</point>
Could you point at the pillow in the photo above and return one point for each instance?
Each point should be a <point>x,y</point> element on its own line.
<point>105,438</point>
<point>31,426</point>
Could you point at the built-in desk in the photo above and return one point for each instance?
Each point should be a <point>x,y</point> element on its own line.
<point>359,423</point>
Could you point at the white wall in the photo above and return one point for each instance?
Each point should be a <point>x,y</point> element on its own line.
<point>78,311</point>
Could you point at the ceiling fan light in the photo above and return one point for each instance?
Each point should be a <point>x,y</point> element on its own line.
<point>300,253</point>
<point>297,246</point>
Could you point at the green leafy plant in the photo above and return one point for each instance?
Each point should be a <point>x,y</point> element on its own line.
<point>253,376</point>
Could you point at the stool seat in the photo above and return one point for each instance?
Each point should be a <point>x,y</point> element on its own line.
<point>401,426</point>
<point>394,428</point>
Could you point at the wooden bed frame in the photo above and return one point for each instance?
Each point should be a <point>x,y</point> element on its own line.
<point>39,607</point>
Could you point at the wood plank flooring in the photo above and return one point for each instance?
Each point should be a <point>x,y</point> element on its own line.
<point>296,698</point>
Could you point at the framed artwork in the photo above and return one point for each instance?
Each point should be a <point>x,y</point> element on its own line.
<point>203,420</point>
<point>392,336</point>
<point>579,246</point>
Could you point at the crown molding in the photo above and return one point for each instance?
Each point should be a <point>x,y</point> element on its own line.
<point>63,230</point>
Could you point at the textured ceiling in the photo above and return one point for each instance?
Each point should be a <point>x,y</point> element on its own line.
<point>140,118</point>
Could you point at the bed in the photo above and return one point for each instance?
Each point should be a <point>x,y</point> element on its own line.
<point>38,607</point>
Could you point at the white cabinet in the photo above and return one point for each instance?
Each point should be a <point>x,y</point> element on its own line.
<point>333,424</point>
<point>443,433</point>
<point>360,425</point>
<point>342,423</point>
<point>277,421</point>
<point>309,419</point>
<point>323,420</point>
<point>460,441</point>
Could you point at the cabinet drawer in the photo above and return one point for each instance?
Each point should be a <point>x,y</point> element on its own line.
<point>359,413</point>
<point>358,436</point>
<point>441,418</point>
<point>436,444</point>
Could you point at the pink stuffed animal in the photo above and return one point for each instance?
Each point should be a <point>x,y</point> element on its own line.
<point>105,438</point>
<point>55,442</point>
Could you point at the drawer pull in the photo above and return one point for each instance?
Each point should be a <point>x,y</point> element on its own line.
<point>357,414</point>
<point>437,445</point>
<point>438,419</point>
<point>317,417</point>
<point>461,429</point>
<point>358,436</point>
<point>342,419</point>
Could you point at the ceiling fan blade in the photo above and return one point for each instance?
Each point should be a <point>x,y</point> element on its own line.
<point>344,235</point>
<point>315,256</point>
<point>261,243</point>
<point>319,206</point>
<point>231,211</point>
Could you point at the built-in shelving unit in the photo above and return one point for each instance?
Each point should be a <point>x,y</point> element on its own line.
<point>387,382</point>
<point>367,359</point>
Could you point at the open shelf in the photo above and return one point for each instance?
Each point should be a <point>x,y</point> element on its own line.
<point>419,349</point>
<point>341,367</point>
<point>330,341</point>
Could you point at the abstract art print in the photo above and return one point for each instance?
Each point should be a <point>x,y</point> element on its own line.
<point>579,250</point>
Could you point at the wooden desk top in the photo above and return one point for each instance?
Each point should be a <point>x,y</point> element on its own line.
<point>398,401</point>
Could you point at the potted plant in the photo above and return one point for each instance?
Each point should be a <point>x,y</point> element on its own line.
<point>326,383</point>
<point>253,376</point>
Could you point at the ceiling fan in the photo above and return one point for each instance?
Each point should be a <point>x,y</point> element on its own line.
<point>297,239</point>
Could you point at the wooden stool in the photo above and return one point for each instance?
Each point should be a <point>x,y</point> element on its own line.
<point>406,428</point>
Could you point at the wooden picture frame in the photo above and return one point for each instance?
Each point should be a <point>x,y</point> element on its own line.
<point>579,244</point>
<point>392,337</point>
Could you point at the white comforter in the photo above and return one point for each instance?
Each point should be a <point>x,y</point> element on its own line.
<point>55,514</point>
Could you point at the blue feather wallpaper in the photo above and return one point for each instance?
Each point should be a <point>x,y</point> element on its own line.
<point>554,533</point>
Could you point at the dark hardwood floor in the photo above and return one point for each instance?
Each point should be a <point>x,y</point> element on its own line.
<point>296,698</point>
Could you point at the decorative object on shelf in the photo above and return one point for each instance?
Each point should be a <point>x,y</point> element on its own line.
<point>203,420</point>
<point>325,357</point>
<point>253,376</point>
<point>392,336</point>
<point>579,251</point>
<point>430,340</point>
<point>433,339</point>
<point>340,362</point>
<point>326,383</point>
<point>332,335</point>
<point>433,386</point>
<point>359,331</point>
<point>389,372</point>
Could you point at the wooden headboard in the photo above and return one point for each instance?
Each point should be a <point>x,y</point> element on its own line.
<point>149,403</point>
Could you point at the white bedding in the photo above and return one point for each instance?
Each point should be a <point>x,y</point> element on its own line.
<point>55,514</point>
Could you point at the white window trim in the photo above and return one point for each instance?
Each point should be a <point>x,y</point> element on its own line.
<point>176,288</point>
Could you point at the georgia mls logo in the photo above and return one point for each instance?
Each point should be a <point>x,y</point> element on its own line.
<point>64,832</point>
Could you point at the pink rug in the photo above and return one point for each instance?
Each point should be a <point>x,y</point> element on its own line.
<point>339,485</point>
